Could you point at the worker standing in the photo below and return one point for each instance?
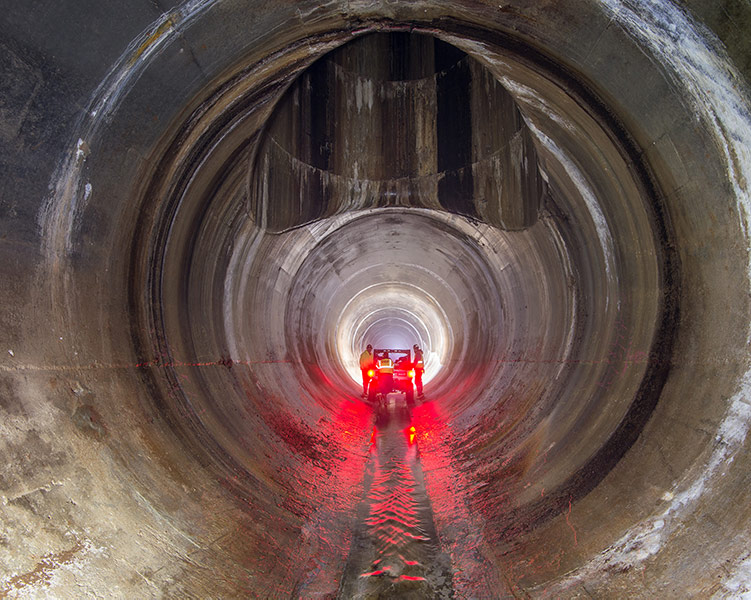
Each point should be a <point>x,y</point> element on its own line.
<point>419,367</point>
<point>367,364</point>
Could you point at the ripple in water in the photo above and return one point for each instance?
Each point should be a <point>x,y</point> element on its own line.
<point>395,553</point>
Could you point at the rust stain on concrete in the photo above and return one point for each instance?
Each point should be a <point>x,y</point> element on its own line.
<point>42,572</point>
<point>158,33</point>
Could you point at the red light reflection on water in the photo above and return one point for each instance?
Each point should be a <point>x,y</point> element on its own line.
<point>411,434</point>
<point>395,530</point>
<point>459,531</point>
<point>393,523</point>
<point>330,489</point>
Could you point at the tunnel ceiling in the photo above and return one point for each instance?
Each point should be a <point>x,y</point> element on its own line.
<point>396,119</point>
<point>551,201</point>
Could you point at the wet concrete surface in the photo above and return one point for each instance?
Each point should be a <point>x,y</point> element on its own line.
<point>551,198</point>
<point>396,551</point>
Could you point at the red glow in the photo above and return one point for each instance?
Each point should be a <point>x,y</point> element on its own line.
<point>472,573</point>
<point>375,573</point>
<point>394,522</point>
<point>335,451</point>
<point>371,373</point>
<point>411,432</point>
<point>411,374</point>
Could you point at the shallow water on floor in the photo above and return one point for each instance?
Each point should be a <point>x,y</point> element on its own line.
<point>395,551</point>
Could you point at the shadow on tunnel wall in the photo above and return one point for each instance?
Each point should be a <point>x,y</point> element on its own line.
<point>206,204</point>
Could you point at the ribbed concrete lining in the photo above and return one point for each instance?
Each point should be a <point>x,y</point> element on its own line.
<point>182,416</point>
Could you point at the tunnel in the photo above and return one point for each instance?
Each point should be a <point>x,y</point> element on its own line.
<point>210,207</point>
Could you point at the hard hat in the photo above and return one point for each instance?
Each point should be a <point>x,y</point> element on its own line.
<point>369,347</point>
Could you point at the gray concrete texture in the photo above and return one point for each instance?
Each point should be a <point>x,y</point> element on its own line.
<point>208,208</point>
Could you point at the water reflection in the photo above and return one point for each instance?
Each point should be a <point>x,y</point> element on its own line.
<point>461,529</point>
<point>396,553</point>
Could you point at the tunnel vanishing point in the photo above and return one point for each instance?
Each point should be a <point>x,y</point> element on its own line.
<point>209,207</point>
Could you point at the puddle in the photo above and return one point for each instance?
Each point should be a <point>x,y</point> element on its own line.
<point>395,552</point>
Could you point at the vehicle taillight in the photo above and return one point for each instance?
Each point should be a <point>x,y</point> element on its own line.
<point>371,372</point>
<point>410,374</point>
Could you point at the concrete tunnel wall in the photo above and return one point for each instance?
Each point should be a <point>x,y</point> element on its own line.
<point>179,417</point>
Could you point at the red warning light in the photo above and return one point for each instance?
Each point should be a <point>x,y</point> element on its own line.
<point>411,374</point>
<point>411,433</point>
<point>371,372</point>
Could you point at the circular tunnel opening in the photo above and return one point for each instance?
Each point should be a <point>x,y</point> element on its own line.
<point>284,249</point>
<point>500,201</point>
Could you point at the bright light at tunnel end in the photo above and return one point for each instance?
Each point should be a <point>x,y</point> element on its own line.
<point>393,315</point>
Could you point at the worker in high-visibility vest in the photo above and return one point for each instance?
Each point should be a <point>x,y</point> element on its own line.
<point>367,366</point>
<point>419,367</point>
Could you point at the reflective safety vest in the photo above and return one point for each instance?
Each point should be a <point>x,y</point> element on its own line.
<point>418,361</point>
<point>366,360</point>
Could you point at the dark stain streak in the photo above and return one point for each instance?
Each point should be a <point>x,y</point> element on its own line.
<point>89,421</point>
<point>43,571</point>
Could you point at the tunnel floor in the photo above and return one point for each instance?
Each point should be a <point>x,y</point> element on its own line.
<point>210,206</point>
<point>395,550</point>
